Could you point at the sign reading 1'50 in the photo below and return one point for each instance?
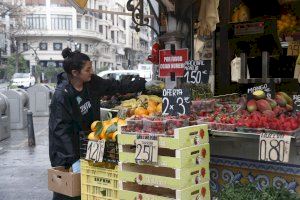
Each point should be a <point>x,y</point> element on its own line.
<point>197,71</point>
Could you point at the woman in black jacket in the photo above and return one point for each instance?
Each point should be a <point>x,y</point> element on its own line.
<point>75,105</point>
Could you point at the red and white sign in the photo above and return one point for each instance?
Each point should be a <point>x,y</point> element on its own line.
<point>172,63</point>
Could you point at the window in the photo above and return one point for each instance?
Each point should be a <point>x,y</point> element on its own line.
<point>113,19</point>
<point>79,22</point>
<point>100,14</point>
<point>86,23</point>
<point>35,2</point>
<point>43,46</point>
<point>57,46</point>
<point>106,32</point>
<point>61,22</point>
<point>78,46</point>
<point>122,23</point>
<point>112,35</point>
<point>100,28</point>
<point>95,23</point>
<point>60,3</point>
<point>36,21</point>
<point>25,47</point>
<point>86,48</point>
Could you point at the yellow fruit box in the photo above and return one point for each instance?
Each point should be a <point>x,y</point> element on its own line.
<point>183,137</point>
<point>179,158</point>
<point>99,182</point>
<point>131,191</point>
<point>164,177</point>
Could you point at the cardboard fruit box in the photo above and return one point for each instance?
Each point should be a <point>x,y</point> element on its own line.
<point>61,180</point>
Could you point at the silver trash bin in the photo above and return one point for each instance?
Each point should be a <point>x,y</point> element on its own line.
<point>4,118</point>
<point>39,99</point>
<point>19,106</point>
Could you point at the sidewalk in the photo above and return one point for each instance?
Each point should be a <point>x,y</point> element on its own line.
<point>23,170</point>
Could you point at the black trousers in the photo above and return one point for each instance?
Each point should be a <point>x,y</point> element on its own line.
<point>57,196</point>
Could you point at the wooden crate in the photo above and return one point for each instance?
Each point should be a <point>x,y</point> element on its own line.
<point>133,191</point>
<point>183,137</point>
<point>164,177</point>
<point>178,158</point>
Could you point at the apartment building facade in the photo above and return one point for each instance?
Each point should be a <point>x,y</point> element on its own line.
<point>52,25</point>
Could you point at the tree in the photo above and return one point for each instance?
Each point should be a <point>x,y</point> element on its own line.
<point>11,63</point>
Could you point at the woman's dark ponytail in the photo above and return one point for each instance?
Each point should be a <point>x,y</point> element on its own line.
<point>73,60</point>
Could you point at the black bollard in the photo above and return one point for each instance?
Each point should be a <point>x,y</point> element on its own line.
<point>31,137</point>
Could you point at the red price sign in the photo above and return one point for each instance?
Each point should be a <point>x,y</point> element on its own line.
<point>169,62</point>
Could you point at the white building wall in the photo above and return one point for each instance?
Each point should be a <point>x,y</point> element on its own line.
<point>105,52</point>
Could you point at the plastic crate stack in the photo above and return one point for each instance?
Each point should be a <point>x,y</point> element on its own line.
<point>182,170</point>
<point>99,181</point>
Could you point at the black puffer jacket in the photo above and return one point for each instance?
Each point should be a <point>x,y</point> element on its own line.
<point>65,119</point>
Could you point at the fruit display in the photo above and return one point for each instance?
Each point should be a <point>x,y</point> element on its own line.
<point>241,13</point>
<point>287,24</point>
<point>156,125</point>
<point>207,105</point>
<point>114,100</point>
<point>173,122</point>
<point>155,86</point>
<point>143,105</point>
<point>134,124</point>
<point>198,91</point>
<point>105,129</point>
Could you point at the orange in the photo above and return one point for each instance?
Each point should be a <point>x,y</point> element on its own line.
<point>159,108</point>
<point>115,119</point>
<point>121,122</point>
<point>114,136</point>
<point>94,125</point>
<point>102,135</point>
<point>140,111</point>
<point>151,109</point>
<point>92,136</point>
<point>152,103</point>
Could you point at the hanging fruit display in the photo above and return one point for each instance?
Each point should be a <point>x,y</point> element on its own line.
<point>287,24</point>
<point>241,13</point>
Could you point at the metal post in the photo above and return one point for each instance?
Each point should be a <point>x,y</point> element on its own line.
<point>265,66</point>
<point>31,136</point>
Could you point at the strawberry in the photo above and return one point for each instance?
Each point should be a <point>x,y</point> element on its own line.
<point>203,172</point>
<point>203,191</point>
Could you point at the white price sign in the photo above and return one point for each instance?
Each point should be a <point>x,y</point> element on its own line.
<point>146,150</point>
<point>95,151</point>
<point>274,147</point>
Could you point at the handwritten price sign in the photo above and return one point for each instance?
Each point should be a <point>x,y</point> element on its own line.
<point>95,151</point>
<point>146,150</point>
<point>274,147</point>
<point>176,101</point>
<point>197,71</point>
<point>294,48</point>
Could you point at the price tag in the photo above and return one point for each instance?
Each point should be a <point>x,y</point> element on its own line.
<point>95,151</point>
<point>296,101</point>
<point>176,101</point>
<point>146,150</point>
<point>197,71</point>
<point>274,147</point>
<point>268,88</point>
<point>294,48</point>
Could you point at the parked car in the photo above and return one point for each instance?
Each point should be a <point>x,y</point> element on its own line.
<point>117,74</point>
<point>22,80</point>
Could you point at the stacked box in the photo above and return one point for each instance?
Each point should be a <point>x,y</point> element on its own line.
<point>181,171</point>
<point>99,182</point>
